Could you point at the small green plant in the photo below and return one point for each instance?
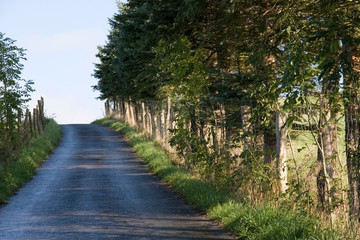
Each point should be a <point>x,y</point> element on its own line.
<point>267,223</point>
<point>22,166</point>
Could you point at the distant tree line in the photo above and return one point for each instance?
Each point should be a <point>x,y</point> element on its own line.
<point>222,61</point>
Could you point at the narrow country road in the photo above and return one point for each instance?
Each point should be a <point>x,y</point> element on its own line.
<point>94,187</point>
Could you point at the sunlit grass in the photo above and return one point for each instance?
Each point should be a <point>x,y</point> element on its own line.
<point>268,223</point>
<point>22,167</point>
<point>241,219</point>
<point>197,193</point>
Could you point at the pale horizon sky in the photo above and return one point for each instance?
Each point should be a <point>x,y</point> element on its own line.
<point>61,38</point>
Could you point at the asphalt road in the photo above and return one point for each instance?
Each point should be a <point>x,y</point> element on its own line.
<point>94,187</point>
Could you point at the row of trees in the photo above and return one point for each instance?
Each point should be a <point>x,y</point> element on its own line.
<point>14,93</point>
<point>217,59</point>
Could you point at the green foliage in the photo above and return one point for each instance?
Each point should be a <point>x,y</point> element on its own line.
<point>241,219</point>
<point>214,57</point>
<point>187,72</point>
<point>14,93</point>
<point>127,65</point>
<point>188,88</point>
<point>22,166</point>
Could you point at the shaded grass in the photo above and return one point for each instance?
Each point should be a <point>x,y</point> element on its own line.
<point>242,220</point>
<point>22,167</point>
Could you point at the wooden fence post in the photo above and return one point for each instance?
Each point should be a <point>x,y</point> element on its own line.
<point>123,109</point>
<point>137,116</point>
<point>126,111</point>
<point>34,121</point>
<point>19,121</point>
<point>132,114</point>
<point>245,120</point>
<point>107,108</point>
<point>30,123</point>
<point>153,120</point>
<point>162,125</point>
<point>26,123</point>
<point>158,125</point>
<point>168,117</point>
<point>143,116</point>
<point>148,120</point>
<point>39,122</point>
<point>41,112</point>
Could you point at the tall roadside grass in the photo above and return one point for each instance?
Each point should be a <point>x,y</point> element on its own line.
<point>239,218</point>
<point>22,166</point>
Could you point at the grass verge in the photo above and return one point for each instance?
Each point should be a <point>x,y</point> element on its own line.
<point>22,167</point>
<point>242,220</point>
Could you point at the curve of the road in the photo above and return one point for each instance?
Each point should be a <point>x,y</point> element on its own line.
<point>94,187</point>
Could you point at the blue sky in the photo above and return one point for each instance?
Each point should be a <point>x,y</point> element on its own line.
<point>61,38</point>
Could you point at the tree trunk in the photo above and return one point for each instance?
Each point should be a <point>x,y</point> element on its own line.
<point>193,125</point>
<point>352,158</point>
<point>269,146</point>
<point>246,126</point>
<point>352,135</point>
<point>325,155</point>
<point>19,121</point>
<point>281,147</point>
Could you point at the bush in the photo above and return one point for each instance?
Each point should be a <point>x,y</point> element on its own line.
<point>241,219</point>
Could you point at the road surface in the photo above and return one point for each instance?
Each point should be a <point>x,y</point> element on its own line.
<point>94,187</point>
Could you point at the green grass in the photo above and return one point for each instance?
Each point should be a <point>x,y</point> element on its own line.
<point>242,220</point>
<point>268,223</point>
<point>196,193</point>
<point>22,167</point>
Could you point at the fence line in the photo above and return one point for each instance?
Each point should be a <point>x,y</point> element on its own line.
<point>20,128</point>
<point>33,124</point>
<point>155,119</point>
